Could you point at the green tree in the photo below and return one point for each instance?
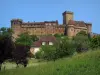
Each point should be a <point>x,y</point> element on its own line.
<point>24,39</point>
<point>34,38</point>
<point>82,33</point>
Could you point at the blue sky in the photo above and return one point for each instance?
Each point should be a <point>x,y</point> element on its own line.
<point>42,10</point>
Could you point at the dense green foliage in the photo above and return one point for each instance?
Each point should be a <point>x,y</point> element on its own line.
<point>63,47</point>
<point>82,64</point>
<point>34,38</point>
<point>82,43</point>
<point>24,39</point>
<point>95,42</point>
<point>82,33</point>
<point>58,35</point>
<point>47,52</point>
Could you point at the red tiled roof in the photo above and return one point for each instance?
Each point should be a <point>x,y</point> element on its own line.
<point>47,38</point>
<point>44,39</point>
<point>80,23</point>
<point>71,22</point>
<point>37,44</point>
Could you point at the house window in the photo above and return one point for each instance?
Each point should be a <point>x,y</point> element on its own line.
<point>50,43</point>
<point>43,43</point>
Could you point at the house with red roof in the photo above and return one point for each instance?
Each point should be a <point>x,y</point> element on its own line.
<point>45,40</point>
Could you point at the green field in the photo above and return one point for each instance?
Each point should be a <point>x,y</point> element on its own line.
<point>81,64</point>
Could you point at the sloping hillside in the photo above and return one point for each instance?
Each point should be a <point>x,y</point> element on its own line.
<point>81,64</point>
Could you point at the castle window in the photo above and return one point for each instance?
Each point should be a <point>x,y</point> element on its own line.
<point>46,24</point>
<point>54,24</point>
<point>71,29</point>
<point>14,23</point>
<point>77,30</point>
<point>49,23</point>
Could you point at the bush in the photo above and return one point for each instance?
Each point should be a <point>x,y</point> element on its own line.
<point>47,52</point>
<point>65,47</point>
<point>38,55</point>
<point>82,43</point>
<point>95,42</point>
<point>20,54</point>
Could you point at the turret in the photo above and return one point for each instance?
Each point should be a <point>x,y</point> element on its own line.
<point>70,28</point>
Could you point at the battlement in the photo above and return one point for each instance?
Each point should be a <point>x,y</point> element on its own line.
<point>17,20</point>
<point>70,27</point>
<point>88,23</point>
<point>67,12</point>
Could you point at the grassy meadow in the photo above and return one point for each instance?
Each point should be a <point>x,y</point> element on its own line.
<point>81,64</point>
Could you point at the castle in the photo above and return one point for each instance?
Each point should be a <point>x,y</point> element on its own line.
<point>69,27</point>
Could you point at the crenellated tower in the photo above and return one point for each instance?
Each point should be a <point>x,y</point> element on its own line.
<point>68,21</point>
<point>67,15</point>
<point>16,26</point>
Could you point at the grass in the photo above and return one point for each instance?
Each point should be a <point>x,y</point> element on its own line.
<point>81,64</point>
<point>12,65</point>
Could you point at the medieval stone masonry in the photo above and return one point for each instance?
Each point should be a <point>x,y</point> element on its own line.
<point>69,27</point>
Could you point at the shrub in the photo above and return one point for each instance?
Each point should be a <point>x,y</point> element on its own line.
<point>82,43</point>
<point>20,54</point>
<point>65,47</point>
<point>47,52</point>
<point>95,42</point>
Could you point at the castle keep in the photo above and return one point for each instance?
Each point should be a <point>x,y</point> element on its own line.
<point>70,27</point>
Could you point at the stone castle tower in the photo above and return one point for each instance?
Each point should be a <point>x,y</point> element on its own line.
<point>73,27</point>
<point>69,26</point>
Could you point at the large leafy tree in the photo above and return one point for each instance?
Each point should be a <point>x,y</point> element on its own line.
<point>6,44</point>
